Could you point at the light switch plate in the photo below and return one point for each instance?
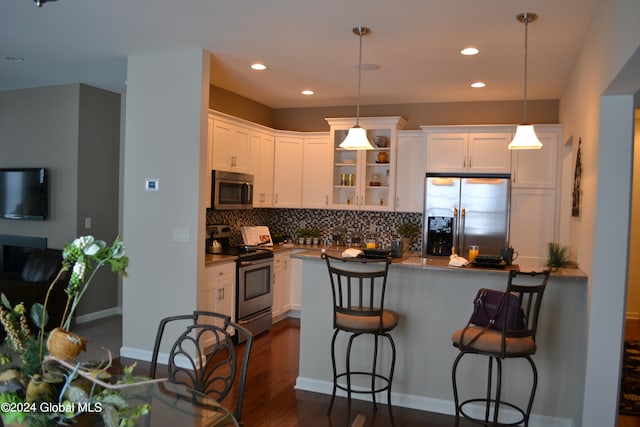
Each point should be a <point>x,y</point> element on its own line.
<point>180,234</point>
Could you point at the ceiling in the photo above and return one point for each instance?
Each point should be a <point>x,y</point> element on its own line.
<point>305,44</point>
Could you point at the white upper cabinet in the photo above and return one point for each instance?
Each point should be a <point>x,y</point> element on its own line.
<point>467,150</point>
<point>230,146</point>
<point>262,163</point>
<point>538,168</point>
<point>316,171</point>
<point>365,179</point>
<point>410,171</point>
<point>287,181</point>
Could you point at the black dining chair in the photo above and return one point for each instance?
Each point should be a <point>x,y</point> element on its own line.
<point>204,356</point>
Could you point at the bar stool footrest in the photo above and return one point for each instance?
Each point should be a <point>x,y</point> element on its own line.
<point>383,387</point>
<point>490,422</point>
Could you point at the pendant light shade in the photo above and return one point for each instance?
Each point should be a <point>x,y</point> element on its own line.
<point>525,138</point>
<point>356,140</point>
<point>357,137</point>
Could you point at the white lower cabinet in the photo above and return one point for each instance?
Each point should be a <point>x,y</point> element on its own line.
<point>287,285</point>
<point>281,288</point>
<point>295,283</point>
<point>218,292</point>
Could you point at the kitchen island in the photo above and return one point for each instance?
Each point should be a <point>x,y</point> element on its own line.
<point>435,300</point>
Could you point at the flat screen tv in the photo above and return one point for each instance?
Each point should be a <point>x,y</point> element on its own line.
<point>24,193</point>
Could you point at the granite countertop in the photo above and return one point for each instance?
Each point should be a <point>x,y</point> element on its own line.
<point>411,260</point>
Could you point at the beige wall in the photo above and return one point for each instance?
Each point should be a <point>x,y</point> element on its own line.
<point>238,106</point>
<point>446,113</point>
<point>73,131</point>
<point>590,109</point>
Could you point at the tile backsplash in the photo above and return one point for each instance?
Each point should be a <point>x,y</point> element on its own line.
<point>288,221</point>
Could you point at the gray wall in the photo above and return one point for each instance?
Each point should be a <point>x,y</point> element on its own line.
<point>73,131</point>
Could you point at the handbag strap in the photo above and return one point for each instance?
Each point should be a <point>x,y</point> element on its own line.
<point>476,306</point>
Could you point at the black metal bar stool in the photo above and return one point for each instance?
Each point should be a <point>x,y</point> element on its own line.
<point>503,342</point>
<point>358,288</point>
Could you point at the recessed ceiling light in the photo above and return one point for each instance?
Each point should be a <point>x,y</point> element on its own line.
<point>258,66</point>
<point>307,92</point>
<point>478,84</point>
<point>469,51</point>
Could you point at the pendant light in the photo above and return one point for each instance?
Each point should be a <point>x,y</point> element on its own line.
<point>357,137</point>
<point>525,138</point>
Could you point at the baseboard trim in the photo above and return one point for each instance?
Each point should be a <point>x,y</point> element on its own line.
<point>422,403</point>
<point>98,315</point>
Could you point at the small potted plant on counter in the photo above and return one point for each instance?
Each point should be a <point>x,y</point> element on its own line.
<point>303,234</point>
<point>407,232</point>
<point>559,256</point>
<point>315,234</point>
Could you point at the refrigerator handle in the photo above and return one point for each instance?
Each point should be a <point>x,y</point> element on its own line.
<point>455,229</point>
<point>463,214</point>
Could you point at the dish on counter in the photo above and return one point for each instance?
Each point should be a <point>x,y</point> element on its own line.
<point>488,264</point>
<point>376,253</point>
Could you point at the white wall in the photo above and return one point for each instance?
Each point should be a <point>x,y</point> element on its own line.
<point>165,138</point>
<point>600,235</point>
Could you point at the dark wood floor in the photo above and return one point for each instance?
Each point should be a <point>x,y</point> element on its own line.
<point>631,332</point>
<point>272,401</point>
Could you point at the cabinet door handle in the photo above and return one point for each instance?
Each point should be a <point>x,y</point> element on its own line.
<point>469,161</point>
<point>276,198</point>
<point>464,162</point>
<point>397,202</point>
<point>513,177</point>
<point>326,199</point>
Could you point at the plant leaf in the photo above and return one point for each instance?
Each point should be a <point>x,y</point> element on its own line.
<point>5,301</point>
<point>39,315</point>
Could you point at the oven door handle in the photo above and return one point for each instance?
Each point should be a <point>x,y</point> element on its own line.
<point>254,317</point>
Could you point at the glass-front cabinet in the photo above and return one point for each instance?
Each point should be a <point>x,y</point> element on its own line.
<point>365,179</point>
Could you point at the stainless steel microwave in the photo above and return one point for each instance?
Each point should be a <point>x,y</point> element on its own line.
<point>231,190</point>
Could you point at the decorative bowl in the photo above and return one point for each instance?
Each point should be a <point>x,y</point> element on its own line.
<point>381,141</point>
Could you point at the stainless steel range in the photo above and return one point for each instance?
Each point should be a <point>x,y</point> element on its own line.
<point>254,280</point>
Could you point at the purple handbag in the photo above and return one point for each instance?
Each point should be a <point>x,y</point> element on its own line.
<point>488,310</point>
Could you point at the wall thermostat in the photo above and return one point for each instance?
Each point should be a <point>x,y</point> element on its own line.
<point>151,184</point>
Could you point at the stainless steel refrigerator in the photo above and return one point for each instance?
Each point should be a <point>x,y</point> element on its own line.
<point>466,209</point>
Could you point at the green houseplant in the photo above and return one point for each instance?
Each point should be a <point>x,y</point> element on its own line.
<point>315,234</point>
<point>559,256</point>
<point>407,232</point>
